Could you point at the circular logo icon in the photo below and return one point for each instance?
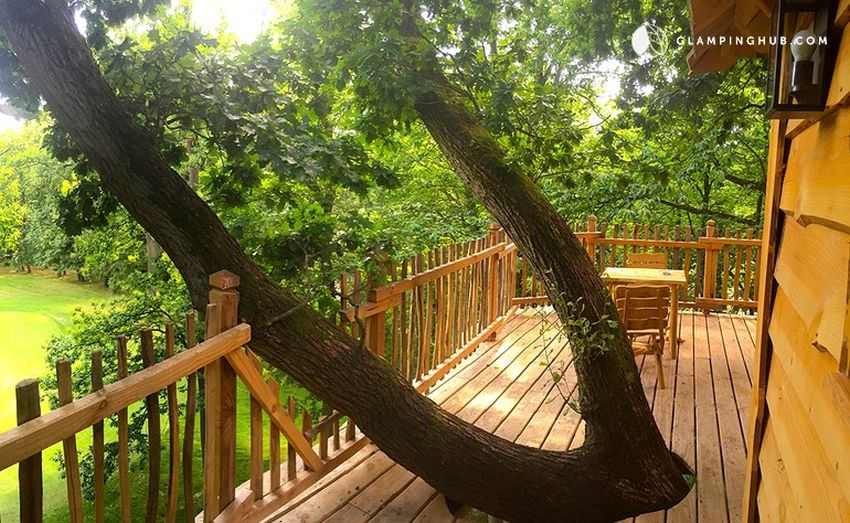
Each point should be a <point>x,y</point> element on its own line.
<point>649,40</point>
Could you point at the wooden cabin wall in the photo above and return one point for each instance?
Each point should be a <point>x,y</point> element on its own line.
<point>799,469</point>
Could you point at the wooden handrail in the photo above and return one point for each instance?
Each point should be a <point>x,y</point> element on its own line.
<point>401,286</point>
<point>51,428</point>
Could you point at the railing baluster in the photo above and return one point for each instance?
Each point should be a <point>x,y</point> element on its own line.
<point>123,440</point>
<point>173,434</point>
<point>746,294</point>
<point>395,325</point>
<point>274,443</point>
<point>291,469</point>
<point>69,446</point>
<point>30,484</point>
<point>256,450</point>
<point>189,429</point>
<point>725,276</point>
<point>97,441</point>
<point>154,433</point>
<point>739,256</point>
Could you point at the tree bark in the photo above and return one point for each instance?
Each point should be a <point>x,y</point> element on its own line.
<point>622,470</point>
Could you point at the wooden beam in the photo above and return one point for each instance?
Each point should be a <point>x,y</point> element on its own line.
<point>770,234</point>
<point>260,390</point>
<point>34,436</point>
<point>369,308</point>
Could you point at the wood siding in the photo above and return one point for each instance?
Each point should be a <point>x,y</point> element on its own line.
<point>800,469</point>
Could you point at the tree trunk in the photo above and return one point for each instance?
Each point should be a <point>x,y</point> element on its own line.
<point>622,470</point>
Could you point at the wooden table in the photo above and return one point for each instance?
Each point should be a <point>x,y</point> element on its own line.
<point>614,276</point>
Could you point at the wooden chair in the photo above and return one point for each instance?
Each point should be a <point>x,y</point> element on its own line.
<point>646,260</point>
<point>645,311</point>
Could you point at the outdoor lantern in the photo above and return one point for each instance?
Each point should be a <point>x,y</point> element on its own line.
<point>802,53</point>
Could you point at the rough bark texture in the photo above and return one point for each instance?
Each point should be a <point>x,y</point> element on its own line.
<point>622,470</point>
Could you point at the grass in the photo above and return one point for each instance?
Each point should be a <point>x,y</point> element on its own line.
<point>33,308</point>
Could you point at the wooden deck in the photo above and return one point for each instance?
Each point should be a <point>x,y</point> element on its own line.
<point>502,388</point>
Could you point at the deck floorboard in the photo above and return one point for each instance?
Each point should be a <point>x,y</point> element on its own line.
<point>503,388</point>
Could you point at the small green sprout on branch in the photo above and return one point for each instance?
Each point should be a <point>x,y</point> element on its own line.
<point>587,339</point>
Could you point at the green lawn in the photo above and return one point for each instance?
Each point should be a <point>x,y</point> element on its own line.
<point>33,307</point>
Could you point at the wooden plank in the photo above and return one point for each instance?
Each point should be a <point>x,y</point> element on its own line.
<point>244,509</point>
<point>98,473</point>
<point>711,504</point>
<point>189,428</point>
<point>815,190</point>
<point>408,504</point>
<point>291,470</point>
<point>744,330</point>
<point>512,398</point>
<point>372,498</point>
<point>728,421</point>
<point>369,309</point>
<point>69,446</point>
<point>739,379</point>
<point>812,270</point>
<point>507,384</point>
<point>256,448</point>
<point>684,421</point>
<point>337,494</point>
<point>435,512</point>
<point>506,352</point>
<point>803,455</point>
<point>274,443</point>
<point>521,400</point>
<point>123,439</point>
<point>772,224</point>
<point>173,435</point>
<point>777,502</point>
<point>30,486</point>
<point>212,420</point>
<point>223,294</point>
<point>806,369</point>
<point>154,432</point>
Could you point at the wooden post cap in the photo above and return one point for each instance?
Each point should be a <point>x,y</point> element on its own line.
<point>493,227</point>
<point>224,280</point>
<point>27,383</point>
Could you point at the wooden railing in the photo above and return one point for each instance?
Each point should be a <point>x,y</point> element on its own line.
<point>422,316</point>
<point>428,312</point>
<point>220,360</point>
<point>722,270</point>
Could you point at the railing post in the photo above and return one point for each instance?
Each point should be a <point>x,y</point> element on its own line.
<point>220,401</point>
<point>591,247</point>
<point>493,277</point>
<point>30,489</point>
<point>376,324</point>
<point>709,273</point>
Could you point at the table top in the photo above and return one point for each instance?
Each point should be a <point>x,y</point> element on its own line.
<point>641,275</point>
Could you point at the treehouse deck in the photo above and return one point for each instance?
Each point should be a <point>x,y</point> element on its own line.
<point>503,388</point>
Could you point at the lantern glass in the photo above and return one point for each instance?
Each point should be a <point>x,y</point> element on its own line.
<point>798,79</point>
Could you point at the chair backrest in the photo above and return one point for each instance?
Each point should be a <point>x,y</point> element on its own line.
<point>646,260</point>
<point>643,307</point>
